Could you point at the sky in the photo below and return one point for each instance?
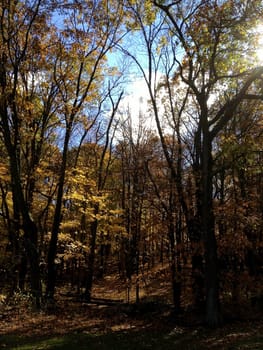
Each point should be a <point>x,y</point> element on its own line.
<point>136,95</point>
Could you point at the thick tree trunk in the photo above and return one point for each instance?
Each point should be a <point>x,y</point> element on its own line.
<point>197,260</point>
<point>22,273</point>
<point>213,317</point>
<point>20,206</point>
<point>30,231</point>
<point>30,241</point>
<point>212,311</point>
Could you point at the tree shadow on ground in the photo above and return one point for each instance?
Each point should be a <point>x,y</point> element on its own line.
<point>141,339</point>
<point>111,324</point>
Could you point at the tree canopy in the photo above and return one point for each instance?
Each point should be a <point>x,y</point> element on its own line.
<point>89,189</point>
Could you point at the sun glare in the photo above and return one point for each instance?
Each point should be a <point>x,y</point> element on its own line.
<point>259,42</point>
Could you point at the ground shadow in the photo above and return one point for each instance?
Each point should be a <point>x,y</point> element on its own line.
<point>178,338</point>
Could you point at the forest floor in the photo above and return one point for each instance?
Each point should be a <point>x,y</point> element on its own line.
<point>109,322</point>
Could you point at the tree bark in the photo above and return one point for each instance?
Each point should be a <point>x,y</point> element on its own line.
<point>213,317</point>
<point>91,258</point>
<point>51,273</point>
<point>51,277</point>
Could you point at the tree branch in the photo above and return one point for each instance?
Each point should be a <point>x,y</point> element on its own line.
<point>227,111</point>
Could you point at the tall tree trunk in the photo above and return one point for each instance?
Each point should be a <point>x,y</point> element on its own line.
<point>52,251</point>
<point>11,138</point>
<point>29,227</point>
<point>210,244</point>
<point>176,282</point>
<point>91,258</point>
<point>31,238</point>
<point>195,236</point>
<point>51,273</point>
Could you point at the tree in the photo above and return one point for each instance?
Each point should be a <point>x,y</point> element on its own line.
<point>157,71</point>
<point>22,27</point>
<point>51,85</point>
<point>202,69</point>
<point>194,37</point>
<point>237,201</point>
<point>134,151</point>
<point>89,33</point>
<point>102,174</point>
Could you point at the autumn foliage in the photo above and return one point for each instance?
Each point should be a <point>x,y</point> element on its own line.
<point>88,194</point>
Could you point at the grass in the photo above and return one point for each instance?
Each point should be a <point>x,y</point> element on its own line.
<point>178,339</point>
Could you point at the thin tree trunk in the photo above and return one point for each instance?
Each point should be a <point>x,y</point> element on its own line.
<point>51,277</point>
<point>91,258</point>
<point>176,285</point>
